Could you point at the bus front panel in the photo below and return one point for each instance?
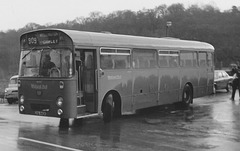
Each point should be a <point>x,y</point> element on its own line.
<point>54,98</point>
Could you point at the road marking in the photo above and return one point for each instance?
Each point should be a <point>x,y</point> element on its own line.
<point>49,144</point>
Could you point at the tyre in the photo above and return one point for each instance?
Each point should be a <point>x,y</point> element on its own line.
<point>108,109</point>
<point>214,89</point>
<point>228,87</point>
<point>64,123</point>
<point>187,96</point>
<point>10,101</point>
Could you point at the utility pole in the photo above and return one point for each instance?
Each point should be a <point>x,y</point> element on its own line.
<point>168,24</point>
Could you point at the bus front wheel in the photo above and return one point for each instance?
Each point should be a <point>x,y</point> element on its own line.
<point>64,123</point>
<point>187,96</point>
<point>108,108</point>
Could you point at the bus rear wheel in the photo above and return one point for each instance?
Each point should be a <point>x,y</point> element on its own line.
<point>108,109</point>
<point>187,96</point>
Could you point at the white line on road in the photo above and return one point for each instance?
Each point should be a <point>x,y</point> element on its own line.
<point>49,144</point>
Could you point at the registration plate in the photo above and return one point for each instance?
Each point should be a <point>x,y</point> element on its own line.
<point>40,113</point>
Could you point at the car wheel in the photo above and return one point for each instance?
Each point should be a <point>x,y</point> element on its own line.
<point>214,89</point>
<point>10,101</point>
<point>228,87</point>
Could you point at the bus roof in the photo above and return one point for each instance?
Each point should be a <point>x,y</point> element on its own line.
<point>83,38</point>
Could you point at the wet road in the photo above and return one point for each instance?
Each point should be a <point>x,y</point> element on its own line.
<point>211,123</point>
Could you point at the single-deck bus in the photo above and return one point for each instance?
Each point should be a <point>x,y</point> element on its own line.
<point>74,74</point>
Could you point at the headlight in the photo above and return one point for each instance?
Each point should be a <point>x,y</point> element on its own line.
<point>5,90</point>
<point>59,101</point>
<point>19,83</point>
<point>60,112</point>
<point>21,108</point>
<point>61,84</point>
<point>21,99</point>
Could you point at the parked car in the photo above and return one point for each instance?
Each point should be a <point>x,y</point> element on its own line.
<point>11,92</point>
<point>222,80</point>
<point>229,70</point>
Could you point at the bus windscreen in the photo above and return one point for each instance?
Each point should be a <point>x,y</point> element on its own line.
<point>46,52</point>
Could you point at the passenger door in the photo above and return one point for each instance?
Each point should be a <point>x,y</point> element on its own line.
<point>86,66</point>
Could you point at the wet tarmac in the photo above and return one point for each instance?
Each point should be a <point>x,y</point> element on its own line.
<point>211,123</point>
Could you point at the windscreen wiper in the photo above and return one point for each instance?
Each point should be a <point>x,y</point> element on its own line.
<point>28,53</point>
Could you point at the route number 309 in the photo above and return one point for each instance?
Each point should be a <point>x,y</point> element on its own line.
<point>32,40</point>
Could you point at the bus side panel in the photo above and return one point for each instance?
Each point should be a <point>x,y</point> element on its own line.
<point>145,88</point>
<point>169,84</point>
<point>210,82</point>
<point>210,72</point>
<point>189,74</point>
<point>70,97</point>
<point>203,80</point>
<point>127,104</point>
<point>120,81</point>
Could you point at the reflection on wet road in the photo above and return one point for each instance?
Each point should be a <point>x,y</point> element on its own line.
<point>211,123</point>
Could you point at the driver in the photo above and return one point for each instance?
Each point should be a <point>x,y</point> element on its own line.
<point>47,65</point>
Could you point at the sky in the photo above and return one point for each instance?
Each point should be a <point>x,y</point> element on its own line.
<point>15,14</point>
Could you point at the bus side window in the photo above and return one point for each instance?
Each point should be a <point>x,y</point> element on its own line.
<point>173,62</point>
<point>152,63</point>
<point>106,62</point>
<point>163,58</point>
<point>202,59</point>
<point>195,62</point>
<point>163,61</point>
<point>147,64</point>
<point>135,63</point>
<point>142,63</point>
<point>187,58</point>
<point>210,59</point>
<point>142,57</point>
<point>121,61</point>
<point>202,63</point>
<point>188,63</point>
<point>120,64</point>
